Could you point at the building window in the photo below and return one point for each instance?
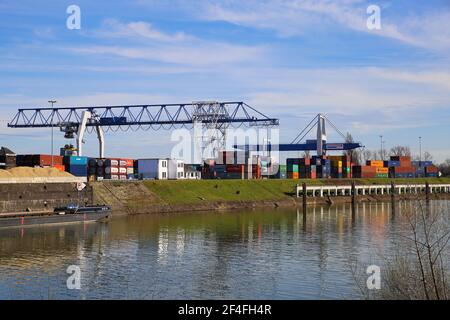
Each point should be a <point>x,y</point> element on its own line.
<point>164,175</point>
<point>164,164</point>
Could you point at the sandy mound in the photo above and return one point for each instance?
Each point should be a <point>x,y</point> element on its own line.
<point>28,172</point>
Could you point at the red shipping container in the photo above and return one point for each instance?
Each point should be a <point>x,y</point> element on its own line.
<point>126,162</point>
<point>239,168</point>
<point>403,169</point>
<point>45,160</point>
<point>431,169</point>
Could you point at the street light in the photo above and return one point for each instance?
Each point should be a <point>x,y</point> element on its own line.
<point>381,151</point>
<point>420,149</point>
<point>52,102</point>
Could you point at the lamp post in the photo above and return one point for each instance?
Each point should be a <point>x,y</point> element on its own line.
<point>381,151</point>
<point>52,102</point>
<point>420,149</point>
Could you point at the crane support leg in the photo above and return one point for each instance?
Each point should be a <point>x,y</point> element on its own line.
<point>85,116</point>
<point>321,135</point>
<point>101,141</point>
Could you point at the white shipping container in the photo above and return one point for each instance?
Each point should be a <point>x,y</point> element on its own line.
<point>112,177</point>
<point>122,163</point>
<point>130,170</point>
<point>123,177</point>
<point>112,163</point>
<point>111,170</point>
<point>122,170</point>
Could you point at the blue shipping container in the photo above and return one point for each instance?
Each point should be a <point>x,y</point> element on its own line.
<point>69,160</point>
<point>78,170</point>
<point>426,163</point>
<point>391,163</point>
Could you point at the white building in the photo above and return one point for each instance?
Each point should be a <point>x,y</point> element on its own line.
<point>192,172</point>
<point>153,169</point>
<point>176,169</point>
<point>161,169</point>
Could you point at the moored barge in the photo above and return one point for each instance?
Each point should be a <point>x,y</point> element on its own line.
<point>69,214</point>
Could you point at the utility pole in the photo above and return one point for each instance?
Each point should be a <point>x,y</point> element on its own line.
<point>381,151</point>
<point>420,149</point>
<point>52,102</point>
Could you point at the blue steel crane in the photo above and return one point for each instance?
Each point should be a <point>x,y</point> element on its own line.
<point>320,144</point>
<point>78,120</point>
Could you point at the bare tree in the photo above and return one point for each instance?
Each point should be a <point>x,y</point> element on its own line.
<point>355,155</point>
<point>444,168</point>
<point>306,154</point>
<point>420,268</point>
<point>366,155</point>
<point>400,151</point>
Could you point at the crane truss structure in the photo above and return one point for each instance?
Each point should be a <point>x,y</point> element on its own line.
<point>320,144</point>
<point>211,116</point>
<point>214,116</point>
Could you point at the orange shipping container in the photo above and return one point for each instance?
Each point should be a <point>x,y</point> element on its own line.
<point>59,167</point>
<point>293,175</point>
<point>375,163</point>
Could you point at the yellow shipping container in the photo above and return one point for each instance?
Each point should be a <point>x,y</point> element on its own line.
<point>382,170</point>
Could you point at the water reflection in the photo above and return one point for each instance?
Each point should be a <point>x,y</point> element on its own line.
<point>268,254</point>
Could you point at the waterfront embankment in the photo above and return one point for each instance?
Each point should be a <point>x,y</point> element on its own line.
<point>212,195</point>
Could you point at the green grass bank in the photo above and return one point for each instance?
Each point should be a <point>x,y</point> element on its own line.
<point>197,191</point>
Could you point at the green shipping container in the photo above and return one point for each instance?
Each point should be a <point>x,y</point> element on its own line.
<point>381,175</point>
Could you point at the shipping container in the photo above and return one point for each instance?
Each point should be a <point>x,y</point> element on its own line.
<point>111,163</point>
<point>77,170</point>
<point>382,170</point>
<point>431,169</point>
<point>78,161</point>
<point>111,177</point>
<point>112,170</point>
<point>375,163</point>
<point>59,167</point>
<point>391,163</point>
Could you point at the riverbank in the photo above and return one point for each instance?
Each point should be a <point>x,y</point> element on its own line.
<point>147,197</point>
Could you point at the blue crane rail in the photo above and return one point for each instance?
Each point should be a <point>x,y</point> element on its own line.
<point>140,115</point>
<point>299,147</point>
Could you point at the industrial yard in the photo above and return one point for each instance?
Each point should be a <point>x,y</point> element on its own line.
<point>240,151</point>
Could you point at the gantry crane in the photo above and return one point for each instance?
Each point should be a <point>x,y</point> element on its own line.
<point>77,120</point>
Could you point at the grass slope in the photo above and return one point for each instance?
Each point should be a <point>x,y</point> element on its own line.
<point>195,191</point>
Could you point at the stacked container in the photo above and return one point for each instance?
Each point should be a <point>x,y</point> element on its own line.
<point>364,171</point>
<point>401,167</point>
<point>77,166</point>
<point>38,160</point>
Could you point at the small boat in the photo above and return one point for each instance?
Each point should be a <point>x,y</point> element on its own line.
<point>71,213</point>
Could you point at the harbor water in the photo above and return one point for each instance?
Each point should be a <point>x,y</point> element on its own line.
<point>258,254</point>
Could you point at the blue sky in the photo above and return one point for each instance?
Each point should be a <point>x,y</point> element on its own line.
<point>288,59</point>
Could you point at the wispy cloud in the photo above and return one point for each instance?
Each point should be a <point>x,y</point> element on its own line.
<point>298,17</point>
<point>178,48</point>
<point>204,54</point>
<point>140,29</point>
